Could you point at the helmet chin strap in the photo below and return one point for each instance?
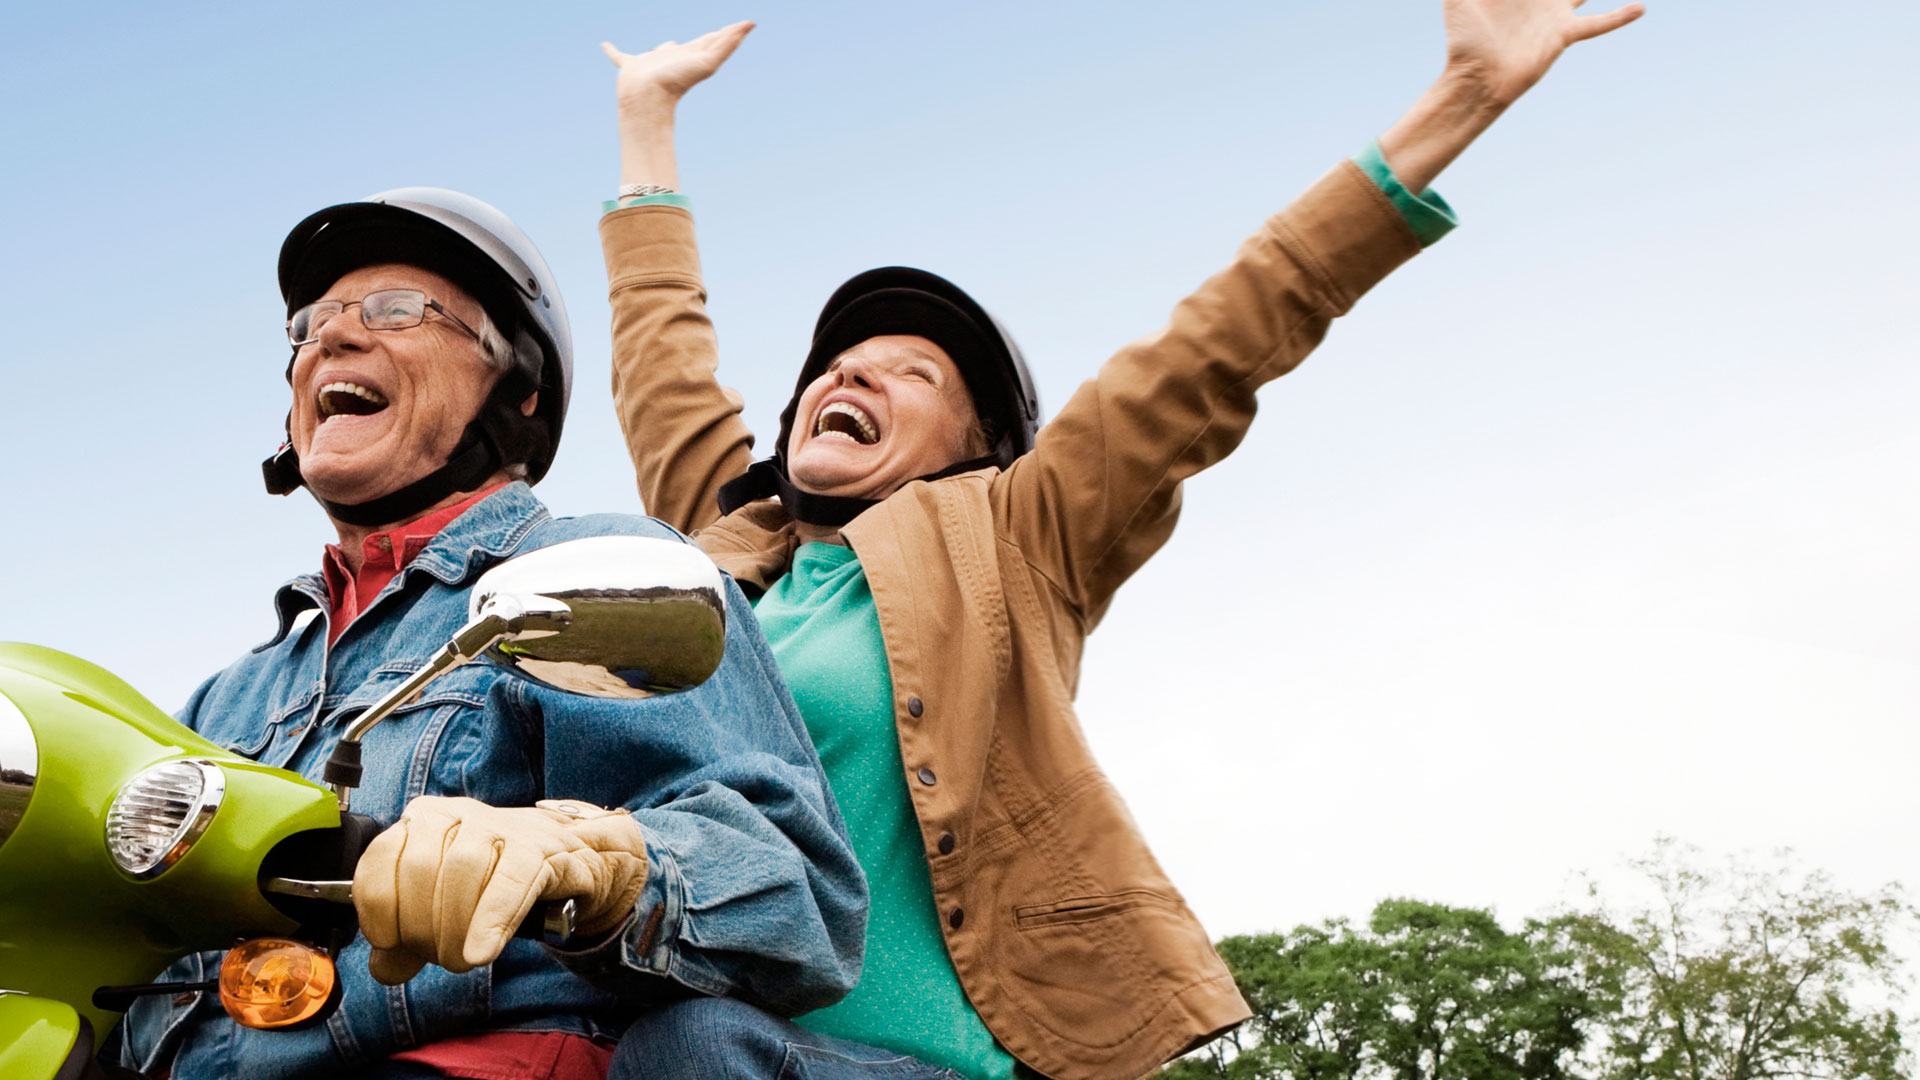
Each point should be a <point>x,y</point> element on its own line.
<point>481,453</point>
<point>471,463</point>
<point>768,478</point>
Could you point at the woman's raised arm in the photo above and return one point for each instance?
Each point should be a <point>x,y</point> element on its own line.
<point>1100,492</point>
<point>683,430</point>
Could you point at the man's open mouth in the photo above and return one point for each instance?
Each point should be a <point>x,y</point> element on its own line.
<point>349,399</point>
<point>847,421</point>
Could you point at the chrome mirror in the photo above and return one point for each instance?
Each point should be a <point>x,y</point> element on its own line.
<point>644,616</point>
<point>606,616</point>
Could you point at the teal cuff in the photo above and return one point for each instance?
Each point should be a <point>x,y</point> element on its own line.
<point>671,198</point>
<point>1427,214</point>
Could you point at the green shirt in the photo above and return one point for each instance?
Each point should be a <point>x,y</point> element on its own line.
<point>825,634</point>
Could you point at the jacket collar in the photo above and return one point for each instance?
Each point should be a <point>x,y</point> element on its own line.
<point>488,532</point>
<point>755,543</point>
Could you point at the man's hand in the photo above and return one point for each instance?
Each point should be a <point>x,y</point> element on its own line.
<point>1496,51</point>
<point>453,878</point>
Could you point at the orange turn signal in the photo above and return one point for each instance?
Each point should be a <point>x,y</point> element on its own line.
<point>276,983</point>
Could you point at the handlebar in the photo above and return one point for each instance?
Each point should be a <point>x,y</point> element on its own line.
<point>550,921</point>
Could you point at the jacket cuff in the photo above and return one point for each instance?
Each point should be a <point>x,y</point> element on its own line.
<point>1347,233</point>
<point>1427,214</point>
<point>649,243</point>
<point>645,941</point>
<point>670,198</point>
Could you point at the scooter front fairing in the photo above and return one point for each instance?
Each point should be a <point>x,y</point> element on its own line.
<point>72,918</point>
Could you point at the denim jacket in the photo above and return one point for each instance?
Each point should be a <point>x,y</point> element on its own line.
<point>752,889</point>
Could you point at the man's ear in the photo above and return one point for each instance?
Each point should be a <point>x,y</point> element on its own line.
<point>532,403</point>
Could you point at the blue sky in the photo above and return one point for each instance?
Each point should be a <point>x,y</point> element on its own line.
<point>1596,521</point>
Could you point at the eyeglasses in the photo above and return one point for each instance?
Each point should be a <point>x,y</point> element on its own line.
<point>388,309</point>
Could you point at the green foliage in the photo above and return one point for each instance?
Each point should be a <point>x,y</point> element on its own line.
<point>1746,974</point>
<point>1424,992</point>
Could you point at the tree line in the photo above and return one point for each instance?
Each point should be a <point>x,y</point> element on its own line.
<point>1748,972</point>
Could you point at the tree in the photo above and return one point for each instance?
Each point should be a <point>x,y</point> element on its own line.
<point>1751,973</point>
<point>1746,973</point>
<point>1425,992</point>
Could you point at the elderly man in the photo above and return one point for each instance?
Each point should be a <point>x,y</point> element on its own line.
<point>430,375</point>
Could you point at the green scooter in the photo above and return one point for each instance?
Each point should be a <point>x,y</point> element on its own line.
<point>128,842</point>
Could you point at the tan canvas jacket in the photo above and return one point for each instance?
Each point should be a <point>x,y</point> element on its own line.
<point>1081,957</point>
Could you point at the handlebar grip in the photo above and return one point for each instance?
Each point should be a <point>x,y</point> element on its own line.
<point>549,921</point>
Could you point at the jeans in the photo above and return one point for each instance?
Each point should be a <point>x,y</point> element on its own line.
<point>710,1038</point>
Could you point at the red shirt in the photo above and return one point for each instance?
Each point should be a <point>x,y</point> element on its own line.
<point>492,1055</point>
<point>515,1055</point>
<point>382,556</point>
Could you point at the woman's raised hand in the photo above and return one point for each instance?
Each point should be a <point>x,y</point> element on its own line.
<point>663,74</point>
<point>650,86</point>
<point>1496,50</point>
<point>1503,47</point>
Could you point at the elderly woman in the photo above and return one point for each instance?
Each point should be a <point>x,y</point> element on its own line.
<point>927,563</point>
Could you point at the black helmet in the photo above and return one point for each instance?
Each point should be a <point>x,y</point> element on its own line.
<point>481,250</point>
<point>903,300</point>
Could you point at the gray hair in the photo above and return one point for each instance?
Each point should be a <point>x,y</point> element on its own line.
<point>498,352</point>
<point>494,345</point>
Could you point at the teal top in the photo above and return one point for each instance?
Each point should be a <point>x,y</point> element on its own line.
<point>1427,214</point>
<point>825,634</point>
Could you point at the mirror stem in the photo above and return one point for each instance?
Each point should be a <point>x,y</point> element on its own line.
<point>501,618</point>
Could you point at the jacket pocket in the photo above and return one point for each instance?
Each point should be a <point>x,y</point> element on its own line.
<point>247,736</point>
<point>248,744</point>
<point>1088,908</point>
<point>1089,973</point>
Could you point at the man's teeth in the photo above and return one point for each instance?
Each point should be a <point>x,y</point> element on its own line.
<point>352,399</point>
<point>857,425</point>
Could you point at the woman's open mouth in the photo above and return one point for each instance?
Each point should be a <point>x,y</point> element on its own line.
<point>847,421</point>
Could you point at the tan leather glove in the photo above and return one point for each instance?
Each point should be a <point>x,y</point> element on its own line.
<point>449,882</point>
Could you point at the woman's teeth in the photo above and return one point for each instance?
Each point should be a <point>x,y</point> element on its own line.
<point>848,422</point>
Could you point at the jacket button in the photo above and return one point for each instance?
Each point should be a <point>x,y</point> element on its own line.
<point>914,708</point>
<point>926,775</point>
<point>946,843</point>
<point>956,917</point>
<point>181,1001</point>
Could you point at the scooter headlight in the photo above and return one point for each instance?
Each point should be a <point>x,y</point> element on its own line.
<point>160,813</point>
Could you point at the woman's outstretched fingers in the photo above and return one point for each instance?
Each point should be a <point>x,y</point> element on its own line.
<point>733,31</point>
<point>671,68</point>
<point>1592,26</point>
<point>724,40</point>
<point>1496,50</point>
